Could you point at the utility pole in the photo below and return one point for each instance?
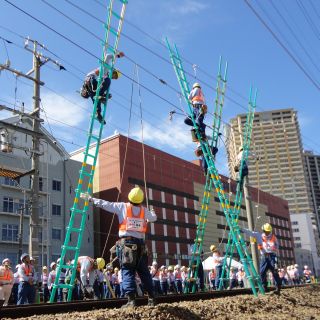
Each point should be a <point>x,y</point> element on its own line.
<point>254,249</point>
<point>38,60</point>
<point>34,217</point>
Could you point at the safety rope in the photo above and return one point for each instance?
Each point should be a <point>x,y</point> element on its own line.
<point>142,138</point>
<point>124,164</point>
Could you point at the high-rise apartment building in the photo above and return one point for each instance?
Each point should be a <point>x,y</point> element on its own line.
<point>276,142</point>
<point>312,163</point>
<point>277,164</point>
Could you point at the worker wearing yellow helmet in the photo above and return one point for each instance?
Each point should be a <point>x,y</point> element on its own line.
<point>268,246</point>
<point>90,84</point>
<point>131,249</point>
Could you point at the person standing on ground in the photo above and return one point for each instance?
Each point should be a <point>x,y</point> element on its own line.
<point>131,248</point>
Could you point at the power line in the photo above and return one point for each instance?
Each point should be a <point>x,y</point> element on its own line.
<point>80,47</point>
<point>281,44</point>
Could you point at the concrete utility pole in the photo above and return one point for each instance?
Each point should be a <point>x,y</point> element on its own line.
<point>38,60</point>
<point>34,217</point>
<point>254,249</point>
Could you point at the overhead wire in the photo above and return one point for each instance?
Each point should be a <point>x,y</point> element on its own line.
<point>151,91</point>
<point>316,85</point>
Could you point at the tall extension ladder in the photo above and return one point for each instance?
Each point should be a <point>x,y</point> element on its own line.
<point>245,258</point>
<point>202,220</point>
<point>79,210</point>
<point>239,191</point>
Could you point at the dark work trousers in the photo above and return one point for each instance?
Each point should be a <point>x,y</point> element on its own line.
<point>268,262</point>
<point>128,271</point>
<point>105,84</point>
<point>198,117</point>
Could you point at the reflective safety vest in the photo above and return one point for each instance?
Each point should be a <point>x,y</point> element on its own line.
<point>5,275</point>
<point>178,275</point>
<point>131,223</point>
<point>269,245</point>
<point>198,98</point>
<point>27,269</point>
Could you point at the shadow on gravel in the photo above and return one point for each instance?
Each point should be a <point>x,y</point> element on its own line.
<point>178,313</point>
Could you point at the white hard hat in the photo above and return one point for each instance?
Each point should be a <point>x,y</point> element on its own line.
<point>177,266</point>
<point>154,263</point>
<point>52,264</point>
<point>196,85</point>
<point>6,260</point>
<point>296,265</point>
<point>306,267</point>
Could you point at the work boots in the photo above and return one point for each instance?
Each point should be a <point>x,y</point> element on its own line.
<point>151,300</point>
<point>131,301</point>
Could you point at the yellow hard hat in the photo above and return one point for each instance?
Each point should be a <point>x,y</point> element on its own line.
<point>100,263</point>
<point>213,248</point>
<point>267,227</point>
<point>196,85</point>
<point>116,269</point>
<point>136,195</point>
<point>116,74</point>
<point>170,268</point>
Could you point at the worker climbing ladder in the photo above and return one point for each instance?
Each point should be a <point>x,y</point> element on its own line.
<point>79,210</point>
<point>245,258</point>
<point>202,220</point>
<point>239,190</point>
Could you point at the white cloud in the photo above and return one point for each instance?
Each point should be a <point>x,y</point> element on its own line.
<point>188,7</point>
<point>65,111</point>
<point>172,135</point>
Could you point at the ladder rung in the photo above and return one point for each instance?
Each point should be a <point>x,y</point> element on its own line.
<point>116,15</point>
<point>61,285</point>
<point>69,248</point>
<point>86,173</point>
<point>90,155</point>
<point>77,210</point>
<point>74,229</point>
<point>115,32</point>
<point>92,136</point>
<point>66,266</point>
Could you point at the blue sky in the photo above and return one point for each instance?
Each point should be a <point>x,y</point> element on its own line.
<point>202,30</point>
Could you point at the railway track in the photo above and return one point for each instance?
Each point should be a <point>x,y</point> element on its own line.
<point>64,307</point>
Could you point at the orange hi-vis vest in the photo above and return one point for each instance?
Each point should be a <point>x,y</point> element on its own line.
<point>5,275</point>
<point>27,269</point>
<point>269,245</point>
<point>198,98</point>
<point>131,223</point>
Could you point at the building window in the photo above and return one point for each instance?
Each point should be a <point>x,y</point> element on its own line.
<point>56,185</point>
<point>7,204</point>
<point>40,184</point>
<point>56,210</point>
<point>11,182</point>
<point>295,230</point>
<point>56,234</point>
<point>40,236</point>
<point>9,232</point>
<point>296,238</point>
<point>297,245</point>
<point>295,223</point>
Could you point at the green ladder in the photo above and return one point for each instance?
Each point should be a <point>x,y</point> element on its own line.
<point>195,261</point>
<point>245,258</point>
<point>79,210</point>
<point>239,190</point>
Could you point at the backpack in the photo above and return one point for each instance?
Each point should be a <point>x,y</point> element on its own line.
<point>84,91</point>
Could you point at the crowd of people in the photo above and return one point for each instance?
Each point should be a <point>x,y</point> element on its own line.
<point>21,286</point>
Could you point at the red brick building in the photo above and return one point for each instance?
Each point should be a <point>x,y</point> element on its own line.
<point>171,184</point>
